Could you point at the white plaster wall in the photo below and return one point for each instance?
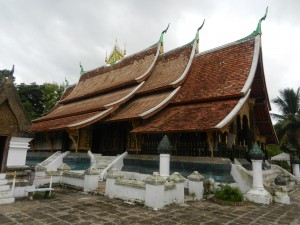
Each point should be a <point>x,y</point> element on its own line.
<point>110,187</point>
<point>129,192</point>
<point>180,192</point>
<point>154,196</point>
<point>17,152</point>
<point>73,181</point>
<point>169,196</point>
<point>197,189</point>
<point>90,183</point>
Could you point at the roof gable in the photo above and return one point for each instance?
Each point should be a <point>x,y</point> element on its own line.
<point>9,99</point>
<point>218,74</point>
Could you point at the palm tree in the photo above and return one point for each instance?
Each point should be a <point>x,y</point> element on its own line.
<point>288,125</point>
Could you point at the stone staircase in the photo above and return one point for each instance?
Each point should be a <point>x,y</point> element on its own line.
<point>102,161</point>
<point>6,195</point>
<point>52,162</point>
<point>50,159</point>
<point>269,178</point>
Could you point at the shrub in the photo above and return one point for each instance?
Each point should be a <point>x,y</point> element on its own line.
<point>228,193</point>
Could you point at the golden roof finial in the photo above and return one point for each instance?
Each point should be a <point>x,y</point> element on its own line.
<point>116,55</point>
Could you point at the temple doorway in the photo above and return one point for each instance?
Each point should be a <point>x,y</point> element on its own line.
<point>3,152</point>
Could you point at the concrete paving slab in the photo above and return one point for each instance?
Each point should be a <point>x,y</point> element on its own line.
<point>75,207</point>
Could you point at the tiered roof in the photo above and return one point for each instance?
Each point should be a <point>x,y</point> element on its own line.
<point>177,91</point>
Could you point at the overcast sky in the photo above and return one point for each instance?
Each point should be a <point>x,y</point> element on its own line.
<point>46,39</point>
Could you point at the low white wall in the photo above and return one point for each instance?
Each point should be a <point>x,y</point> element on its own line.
<point>129,192</point>
<point>76,182</point>
<point>155,192</point>
<point>88,182</point>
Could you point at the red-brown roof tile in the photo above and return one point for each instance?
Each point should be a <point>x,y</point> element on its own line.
<point>109,77</point>
<point>218,73</point>
<point>88,105</point>
<point>60,123</point>
<point>139,106</point>
<point>169,67</point>
<point>191,117</point>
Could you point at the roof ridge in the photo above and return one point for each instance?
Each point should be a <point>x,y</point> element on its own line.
<point>125,58</point>
<point>223,46</point>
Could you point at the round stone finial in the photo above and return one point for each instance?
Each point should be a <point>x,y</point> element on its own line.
<point>176,178</point>
<point>155,179</point>
<point>164,146</point>
<point>195,176</point>
<point>256,152</point>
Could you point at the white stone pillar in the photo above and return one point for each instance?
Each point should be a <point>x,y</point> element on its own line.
<point>257,174</point>
<point>179,180</point>
<point>196,185</point>
<point>257,193</point>
<point>91,179</point>
<point>110,187</point>
<point>155,186</point>
<point>296,171</point>
<point>164,165</point>
<point>17,152</point>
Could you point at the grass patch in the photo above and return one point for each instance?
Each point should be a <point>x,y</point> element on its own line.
<point>41,195</point>
<point>228,193</point>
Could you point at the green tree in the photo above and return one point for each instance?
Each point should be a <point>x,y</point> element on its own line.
<point>51,94</point>
<point>288,125</point>
<point>39,99</point>
<point>6,73</point>
<point>31,98</point>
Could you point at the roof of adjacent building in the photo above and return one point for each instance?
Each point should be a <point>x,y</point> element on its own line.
<point>176,91</point>
<point>13,118</point>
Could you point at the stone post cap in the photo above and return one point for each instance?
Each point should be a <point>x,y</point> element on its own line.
<point>64,167</point>
<point>295,160</point>
<point>92,171</point>
<point>195,176</point>
<point>256,153</point>
<point>39,167</point>
<point>114,173</point>
<point>155,179</point>
<point>176,178</point>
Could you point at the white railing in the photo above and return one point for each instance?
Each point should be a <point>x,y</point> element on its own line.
<point>116,163</point>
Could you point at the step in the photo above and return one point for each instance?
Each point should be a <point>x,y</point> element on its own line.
<point>5,194</point>
<point>3,182</point>
<point>7,201</point>
<point>4,188</point>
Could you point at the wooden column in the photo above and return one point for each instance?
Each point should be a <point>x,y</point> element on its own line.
<point>210,143</point>
<point>251,103</point>
<point>74,136</point>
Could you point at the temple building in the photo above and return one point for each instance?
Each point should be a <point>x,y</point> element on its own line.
<point>14,127</point>
<point>212,103</point>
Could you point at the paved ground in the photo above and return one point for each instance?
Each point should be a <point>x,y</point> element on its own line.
<point>73,207</point>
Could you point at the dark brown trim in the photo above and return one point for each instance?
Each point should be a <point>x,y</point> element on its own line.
<point>5,154</point>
